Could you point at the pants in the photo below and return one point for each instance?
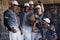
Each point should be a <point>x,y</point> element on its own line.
<point>26,33</point>
<point>36,36</point>
<point>15,36</point>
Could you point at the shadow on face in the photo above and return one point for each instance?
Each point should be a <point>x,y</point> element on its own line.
<point>14,7</point>
<point>38,10</point>
<point>31,6</point>
<point>26,9</point>
<point>45,24</point>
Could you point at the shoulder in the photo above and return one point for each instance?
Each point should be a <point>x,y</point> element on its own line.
<point>29,15</point>
<point>21,13</point>
<point>51,31</point>
<point>6,12</point>
<point>52,27</point>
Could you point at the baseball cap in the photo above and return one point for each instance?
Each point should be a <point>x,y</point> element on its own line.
<point>15,3</point>
<point>47,20</point>
<point>31,2</point>
<point>26,4</point>
<point>38,6</point>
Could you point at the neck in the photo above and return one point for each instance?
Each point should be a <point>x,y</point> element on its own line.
<point>12,9</point>
<point>26,11</point>
<point>31,9</point>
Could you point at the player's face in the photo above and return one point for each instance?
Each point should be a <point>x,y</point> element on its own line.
<point>45,24</point>
<point>31,6</point>
<point>38,10</point>
<point>26,9</point>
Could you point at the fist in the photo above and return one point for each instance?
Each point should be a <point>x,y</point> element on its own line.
<point>14,30</point>
<point>34,30</point>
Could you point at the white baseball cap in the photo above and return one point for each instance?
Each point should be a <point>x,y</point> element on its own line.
<point>15,3</point>
<point>31,2</point>
<point>47,20</point>
<point>38,6</point>
<point>26,4</point>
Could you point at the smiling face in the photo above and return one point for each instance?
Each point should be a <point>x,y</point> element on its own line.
<point>31,6</point>
<point>26,9</point>
<point>38,10</point>
<point>14,7</point>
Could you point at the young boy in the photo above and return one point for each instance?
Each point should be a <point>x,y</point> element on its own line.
<point>48,34</point>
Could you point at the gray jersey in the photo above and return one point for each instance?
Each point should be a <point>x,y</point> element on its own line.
<point>11,18</point>
<point>25,18</point>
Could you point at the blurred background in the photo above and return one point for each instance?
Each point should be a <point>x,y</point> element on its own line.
<point>52,8</point>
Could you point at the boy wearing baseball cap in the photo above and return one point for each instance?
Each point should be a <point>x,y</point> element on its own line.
<point>10,21</point>
<point>47,34</point>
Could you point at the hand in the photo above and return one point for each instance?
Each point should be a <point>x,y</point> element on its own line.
<point>34,30</point>
<point>39,1</point>
<point>54,38</point>
<point>14,30</point>
<point>41,39</point>
<point>36,22</point>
